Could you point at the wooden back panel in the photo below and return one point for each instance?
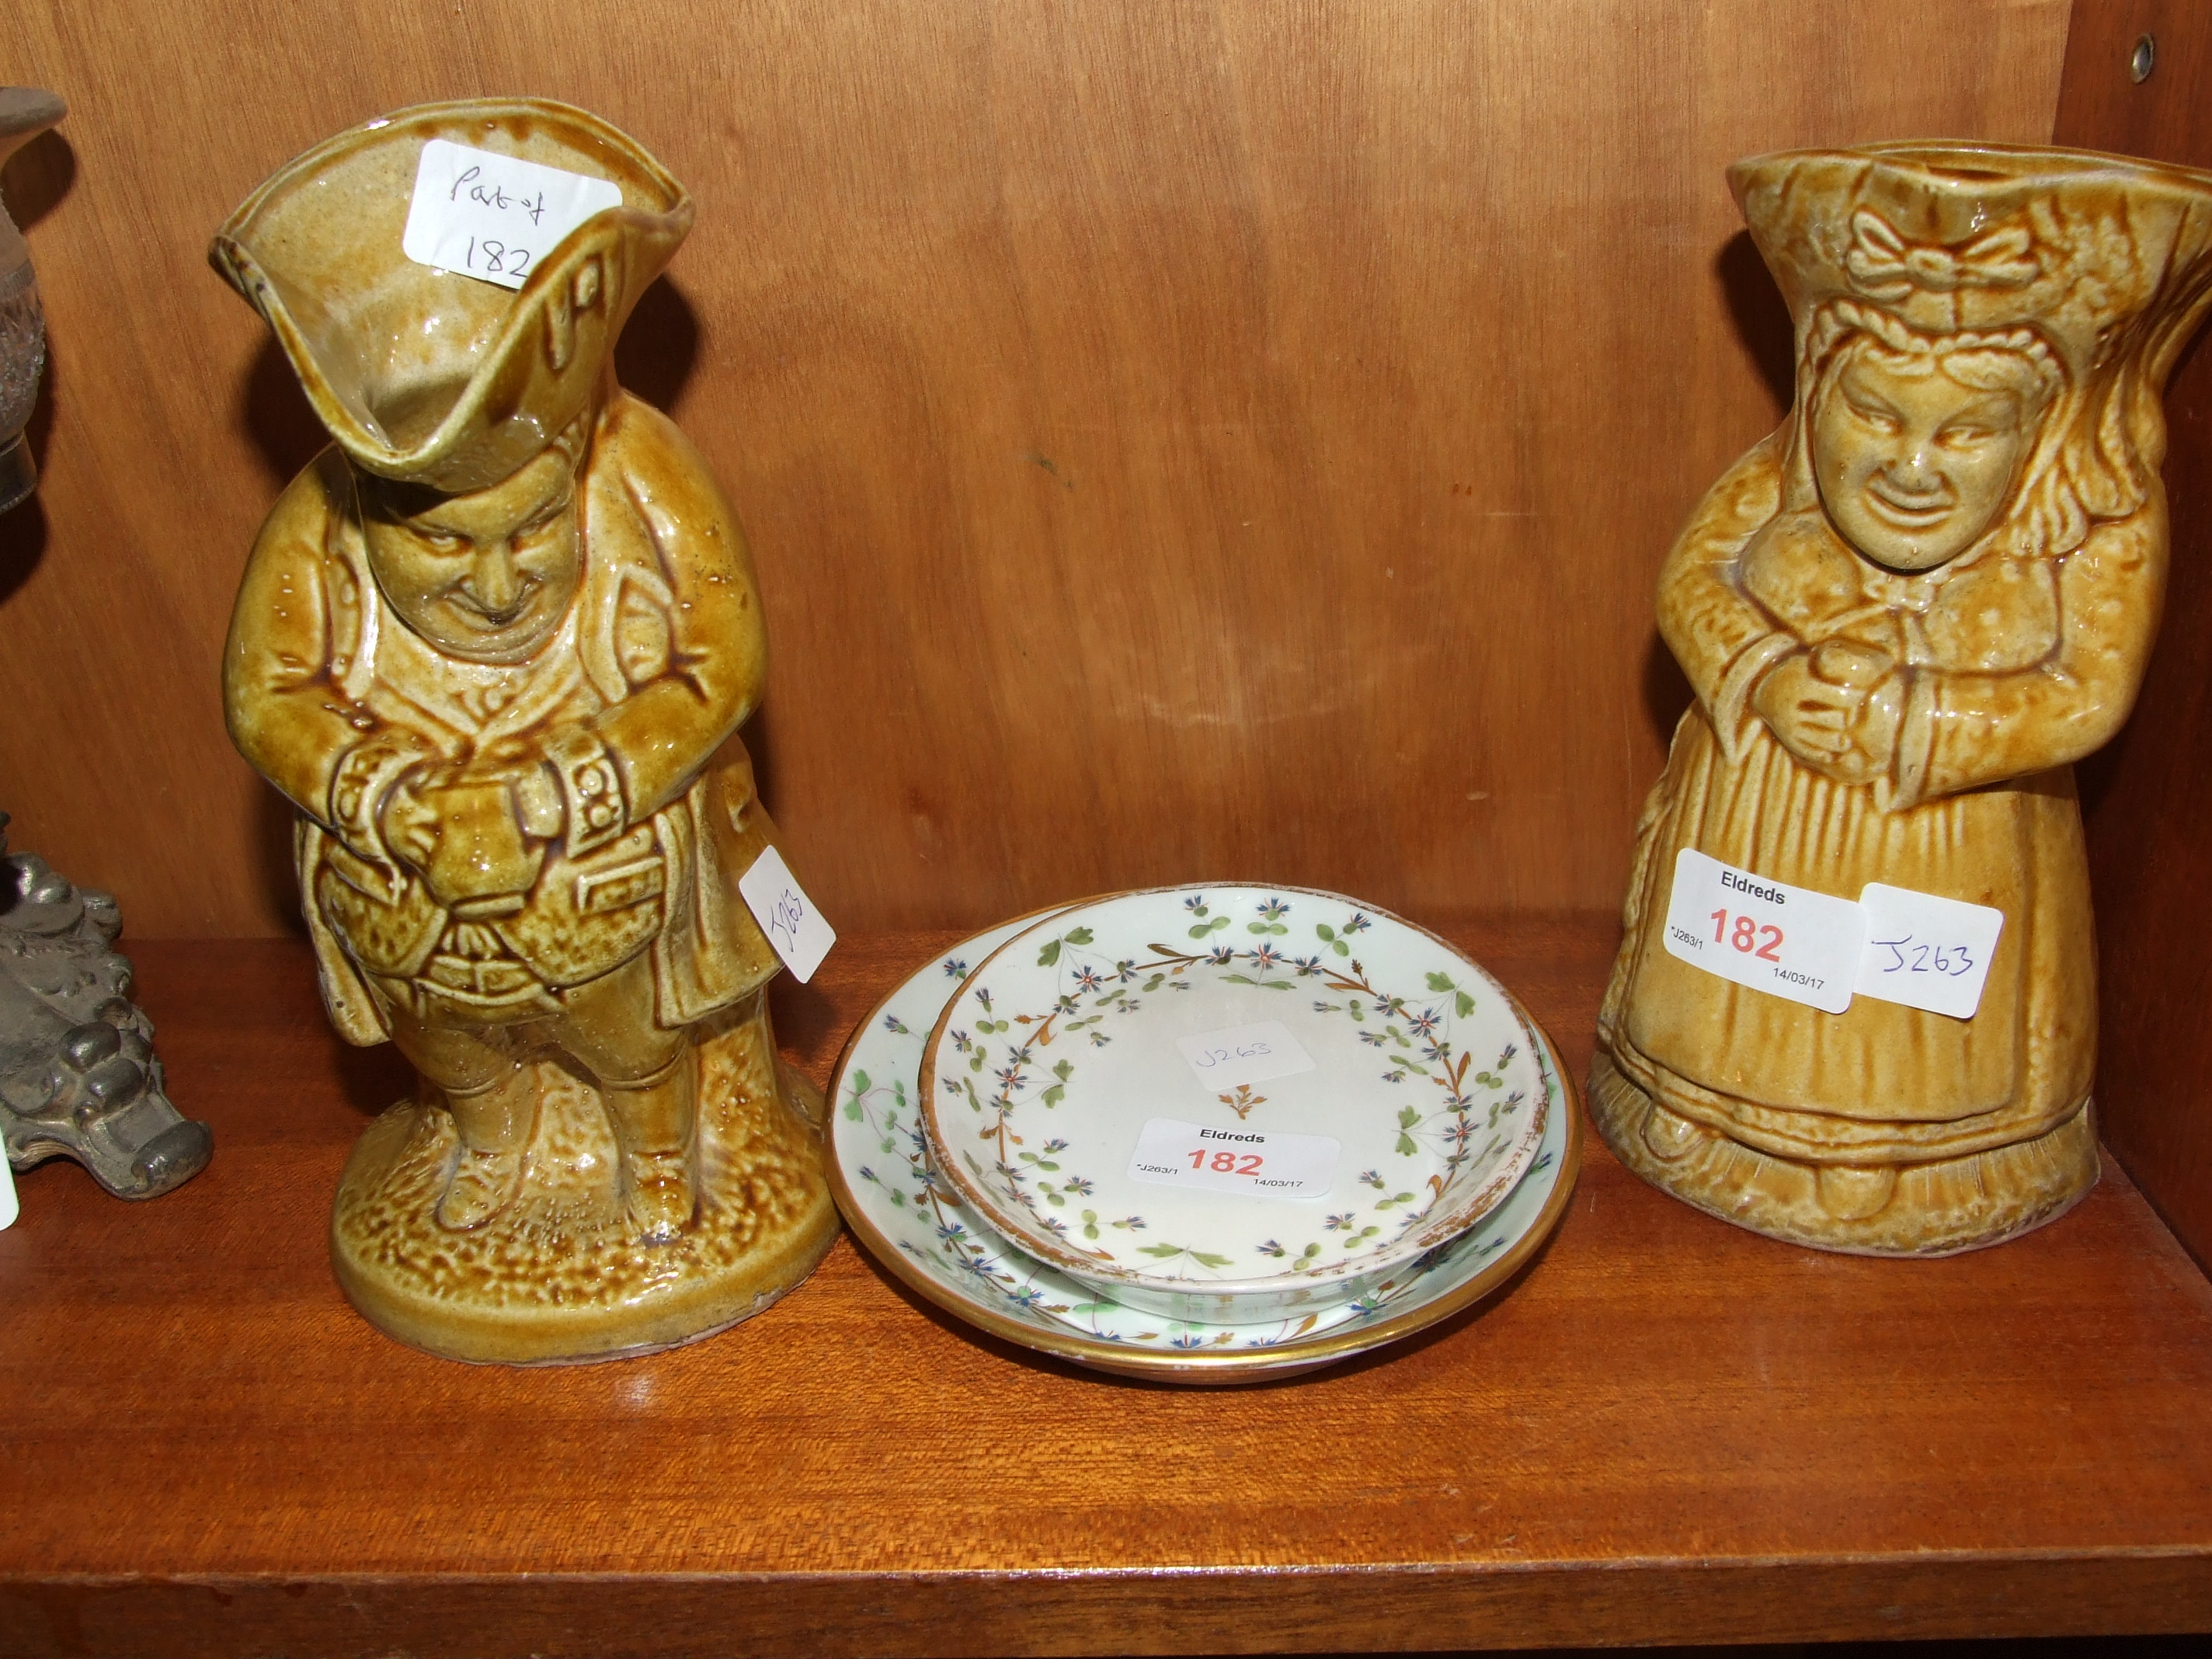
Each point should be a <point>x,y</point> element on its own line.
<point>2147,799</point>
<point>1233,436</point>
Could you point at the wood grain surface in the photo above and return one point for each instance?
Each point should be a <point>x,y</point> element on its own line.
<point>1667,1429</point>
<point>1217,437</point>
<point>2147,799</point>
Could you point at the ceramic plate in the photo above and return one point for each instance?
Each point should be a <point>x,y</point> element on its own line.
<point>1230,1102</point>
<point>912,1222</point>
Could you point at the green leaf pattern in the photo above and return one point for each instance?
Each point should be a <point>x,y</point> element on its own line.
<point>960,1248</point>
<point>1414,1037</point>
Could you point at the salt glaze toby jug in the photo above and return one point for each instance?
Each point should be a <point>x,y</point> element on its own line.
<point>495,645</point>
<point>1905,614</point>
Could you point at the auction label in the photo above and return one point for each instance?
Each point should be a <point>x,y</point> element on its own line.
<point>1244,1054</point>
<point>1257,1163</point>
<point>1788,941</point>
<point>1925,951</point>
<point>794,927</point>
<point>8,1209</point>
<point>493,216</point>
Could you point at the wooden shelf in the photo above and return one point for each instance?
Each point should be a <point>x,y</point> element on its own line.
<point>1666,1431</point>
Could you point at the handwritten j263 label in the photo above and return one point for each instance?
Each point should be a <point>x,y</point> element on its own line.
<point>1925,951</point>
<point>8,1209</point>
<point>1893,944</point>
<point>1787,941</point>
<point>495,217</point>
<point>1257,1163</point>
<point>794,927</point>
<point>1244,1054</point>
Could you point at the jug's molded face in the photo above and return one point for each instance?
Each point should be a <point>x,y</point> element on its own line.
<point>424,375</point>
<point>1917,453</point>
<point>1982,336</point>
<point>486,576</point>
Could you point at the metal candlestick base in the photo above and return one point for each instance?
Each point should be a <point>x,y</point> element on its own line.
<point>78,1078</point>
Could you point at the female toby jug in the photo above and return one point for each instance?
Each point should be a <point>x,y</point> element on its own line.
<point>1905,614</point>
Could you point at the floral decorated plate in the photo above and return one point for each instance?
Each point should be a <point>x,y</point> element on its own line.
<point>1231,1103</point>
<point>909,1218</point>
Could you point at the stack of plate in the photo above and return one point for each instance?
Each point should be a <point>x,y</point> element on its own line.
<point>1207,1134</point>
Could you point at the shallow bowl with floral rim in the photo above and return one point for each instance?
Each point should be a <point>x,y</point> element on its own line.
<point>1230,1103</point>
<point>911,1221</point>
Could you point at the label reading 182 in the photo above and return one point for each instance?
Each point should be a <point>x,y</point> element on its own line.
<point>1788,941</point>
<point>494,216</point>
<point>1260,1164</point>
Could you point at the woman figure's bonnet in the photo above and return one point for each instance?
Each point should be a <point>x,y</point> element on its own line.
<point>2094,268</point>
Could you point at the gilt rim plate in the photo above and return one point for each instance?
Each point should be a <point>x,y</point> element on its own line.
<point>915,1227</point>
<point>1403,1072</point>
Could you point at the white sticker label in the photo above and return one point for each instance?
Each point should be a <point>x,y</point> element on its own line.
<point>1244,1054</point>
<point>1787,941</point>
<point>786,914</point>
<point>8,1209</point>
<point>1925,951</point>
<point>493,217</point>
<point>1255,1162</point>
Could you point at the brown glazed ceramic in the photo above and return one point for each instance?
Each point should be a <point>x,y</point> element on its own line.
<point>495,645</point>
<point>1905,615</point>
